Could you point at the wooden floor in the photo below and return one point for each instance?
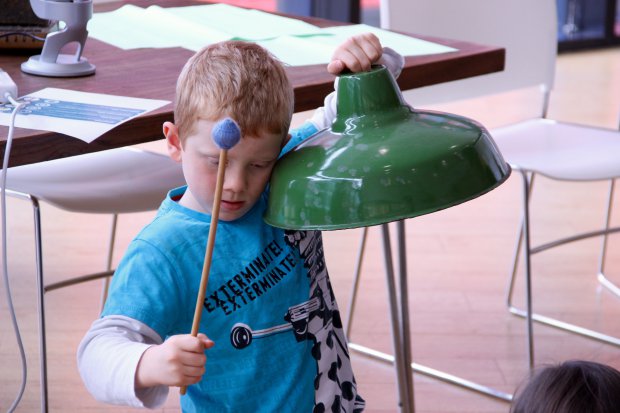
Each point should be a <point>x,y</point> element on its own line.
<point>458,265</point>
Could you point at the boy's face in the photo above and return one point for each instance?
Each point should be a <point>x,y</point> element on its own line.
<point>249,167</point>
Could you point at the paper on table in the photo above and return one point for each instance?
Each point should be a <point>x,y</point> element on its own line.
<point>298,51</point>
<point>191,27</point>
<point>131,27</point>
<point>120,28</point>
<point>242,23</point>
<point>83,115</point>
<point>294,42</point>
<point>405,45</point>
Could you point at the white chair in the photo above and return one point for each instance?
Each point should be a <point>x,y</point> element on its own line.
<point>527,29</point>
<point>113,182</point>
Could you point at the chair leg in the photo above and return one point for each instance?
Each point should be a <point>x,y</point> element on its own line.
<point>40,292</point>
<point>404,309</point>
<point>517,252</point>
<point>523,242</point>
<point>528,268</point>
<point>399,311</point>
<point>106,280</point>
<point>42,288</point>
<point>402,354</point>
<point>398,317</point>
<point>356,281</point>
<point>40,303</point>
<point>605,282</point>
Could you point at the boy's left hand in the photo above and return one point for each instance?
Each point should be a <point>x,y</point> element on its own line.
<point>357,54</point>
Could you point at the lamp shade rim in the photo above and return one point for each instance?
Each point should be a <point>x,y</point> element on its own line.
<point>369,222</point>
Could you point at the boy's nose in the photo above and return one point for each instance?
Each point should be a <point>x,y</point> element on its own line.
<point>234,180</point>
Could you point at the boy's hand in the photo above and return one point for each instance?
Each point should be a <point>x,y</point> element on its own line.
<point>356,54</point>
<point>178,361</point>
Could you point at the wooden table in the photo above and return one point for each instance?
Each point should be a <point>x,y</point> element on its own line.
<point>152,73</point>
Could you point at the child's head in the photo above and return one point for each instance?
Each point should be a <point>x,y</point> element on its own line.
<point>571,387</point>
<point>244,82</point>
<point>234,79</point>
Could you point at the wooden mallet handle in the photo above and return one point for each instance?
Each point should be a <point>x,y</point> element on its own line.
<point>225,134</point>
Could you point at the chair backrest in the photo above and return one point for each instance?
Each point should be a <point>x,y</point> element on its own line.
<point>527,29</point>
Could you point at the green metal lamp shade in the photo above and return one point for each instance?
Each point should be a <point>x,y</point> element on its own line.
<point>381,161</point>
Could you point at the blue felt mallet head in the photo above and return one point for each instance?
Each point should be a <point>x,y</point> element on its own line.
<point>226,133</point>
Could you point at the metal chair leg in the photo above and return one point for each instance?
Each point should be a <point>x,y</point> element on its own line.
<point>529,251</point>
<point>528,269</point>
<point>401,328</point>
<point>404,380</point>
<point>106,280</point>
<point>42,288</point>
<point>402,354</point>
<point>517,252</point>
<point>356,280</point>
<point>605,282</point>
<point>404,308</point>
<point>40,303</point>
<point>38,244</point>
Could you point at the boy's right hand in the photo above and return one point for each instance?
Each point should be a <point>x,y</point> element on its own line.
<point>357,54</point>
<point>178,361</point>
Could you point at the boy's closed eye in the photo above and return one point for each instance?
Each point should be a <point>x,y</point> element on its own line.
<point>261,165</point>
<point>213,160</point>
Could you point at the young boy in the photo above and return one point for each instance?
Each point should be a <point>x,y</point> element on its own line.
<point>278,343</point>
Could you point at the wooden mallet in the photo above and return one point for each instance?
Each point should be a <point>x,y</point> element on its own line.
<point>225,134</point>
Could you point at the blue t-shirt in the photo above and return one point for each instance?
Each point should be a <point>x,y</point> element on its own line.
<point>269,308</point>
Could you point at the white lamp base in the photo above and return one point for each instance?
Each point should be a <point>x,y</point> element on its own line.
<point>65,66</point>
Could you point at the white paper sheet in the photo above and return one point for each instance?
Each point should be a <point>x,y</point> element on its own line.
<point>83,115</point>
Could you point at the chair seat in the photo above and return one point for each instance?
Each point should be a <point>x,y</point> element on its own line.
<point>559,150</point>
<point>138,181</point>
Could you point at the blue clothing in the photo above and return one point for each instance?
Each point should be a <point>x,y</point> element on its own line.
<point>269,308</point>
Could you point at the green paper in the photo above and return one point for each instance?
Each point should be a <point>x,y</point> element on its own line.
<point>293,41</point>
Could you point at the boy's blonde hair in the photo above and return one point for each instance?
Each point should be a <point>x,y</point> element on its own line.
<point>237,79</point>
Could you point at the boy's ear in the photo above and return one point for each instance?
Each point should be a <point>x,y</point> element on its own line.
<point>173,142</point>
